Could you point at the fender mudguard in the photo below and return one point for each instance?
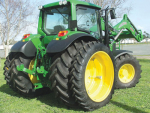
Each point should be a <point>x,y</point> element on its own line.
<point>27,48</point>
<point>60,45</point>
<point>118,53</point>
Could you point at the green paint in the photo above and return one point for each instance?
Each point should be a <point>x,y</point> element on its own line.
<point>32,36</point>
<point>22,68</point>
<point>41,70</point>
<point>39,30</point>
<point>38,85</point>
<point>131,31</point>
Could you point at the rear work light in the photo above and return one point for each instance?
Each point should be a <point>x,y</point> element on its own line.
<point>62,33</point>
<point>26,36</point>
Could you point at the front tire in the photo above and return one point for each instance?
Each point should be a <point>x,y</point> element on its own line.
<point>93,76</point>
<point>128,71</point>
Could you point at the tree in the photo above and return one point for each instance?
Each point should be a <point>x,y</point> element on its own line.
<point>15,16</point>
<point>146,36</point>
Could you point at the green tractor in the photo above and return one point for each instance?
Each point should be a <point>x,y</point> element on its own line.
<point>74,54</point>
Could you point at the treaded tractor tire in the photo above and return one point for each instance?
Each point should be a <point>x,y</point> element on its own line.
<point>127,64</point>
<point>17,80</point>
<point>93,56</point>
<point>60,70</point>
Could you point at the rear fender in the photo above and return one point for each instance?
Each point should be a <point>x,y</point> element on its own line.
<point>27,48</point>
<point>118,53</point>
<point>56,46</point>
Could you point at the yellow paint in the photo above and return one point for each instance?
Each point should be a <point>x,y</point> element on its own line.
<point>23,40</point>
<point>126,73</point>
<point>32,77</point>
<point>99,76</point>
<point>57,38</point>
<point>7,68</point>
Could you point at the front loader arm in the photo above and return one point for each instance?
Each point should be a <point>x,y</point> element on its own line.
<point>129,30</point>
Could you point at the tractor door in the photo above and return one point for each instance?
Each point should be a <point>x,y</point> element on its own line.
<point>87,20</point>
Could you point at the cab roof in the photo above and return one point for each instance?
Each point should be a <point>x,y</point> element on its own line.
<point>75,2</point>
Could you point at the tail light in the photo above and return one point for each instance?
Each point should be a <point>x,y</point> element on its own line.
<point>62,33</point>
<point>26,36</point>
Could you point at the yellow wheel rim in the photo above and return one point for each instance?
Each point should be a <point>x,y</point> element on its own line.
<point>99,76</point>
<point>7,68</point>
<point>126,73</point>
<point>33,78</point>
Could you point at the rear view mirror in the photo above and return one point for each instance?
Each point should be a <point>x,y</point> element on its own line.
<point>112,14</point>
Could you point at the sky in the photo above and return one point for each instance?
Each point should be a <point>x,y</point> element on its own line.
<point>139,15</point>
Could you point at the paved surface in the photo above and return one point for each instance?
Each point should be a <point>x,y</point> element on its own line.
<point>138,49</point>
<point>142,57</point>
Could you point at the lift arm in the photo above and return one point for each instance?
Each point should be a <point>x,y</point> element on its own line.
<point>129,30</point>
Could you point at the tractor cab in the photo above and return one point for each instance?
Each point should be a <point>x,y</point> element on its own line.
<point>62,18</point>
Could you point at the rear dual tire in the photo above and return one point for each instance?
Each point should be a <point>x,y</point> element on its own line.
<point>17,80</point>
<point>68,75</point>
<point>93,76</point>
<point>60,73</point>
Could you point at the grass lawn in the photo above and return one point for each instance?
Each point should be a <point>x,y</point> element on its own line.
<point>132,100</point>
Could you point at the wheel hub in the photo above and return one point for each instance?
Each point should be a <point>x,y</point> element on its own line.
<point>126,73</point>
